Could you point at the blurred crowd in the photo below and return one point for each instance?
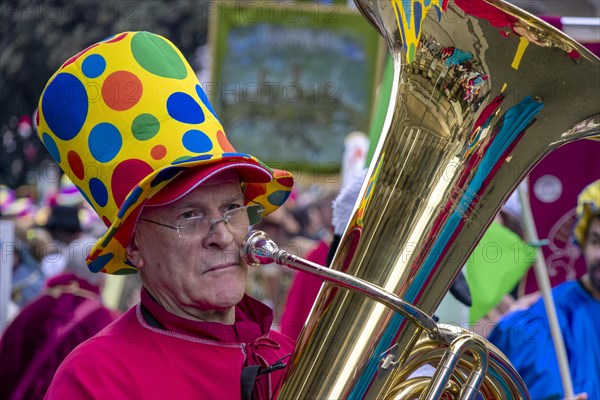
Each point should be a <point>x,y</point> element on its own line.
<point>24,158</point>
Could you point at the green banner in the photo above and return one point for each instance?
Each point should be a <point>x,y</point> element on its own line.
<point>498,263</point>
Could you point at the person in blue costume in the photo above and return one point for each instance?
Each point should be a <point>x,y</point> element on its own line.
<point>524,336</point>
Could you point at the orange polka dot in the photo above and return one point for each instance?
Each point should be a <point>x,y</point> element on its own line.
<point>158,152</point>
<point>224,143</point>
<point>122,90</point>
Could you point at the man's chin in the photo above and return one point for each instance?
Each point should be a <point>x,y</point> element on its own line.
<point>594,273</point>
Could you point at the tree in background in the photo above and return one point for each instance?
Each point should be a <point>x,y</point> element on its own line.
<point>36,36</point>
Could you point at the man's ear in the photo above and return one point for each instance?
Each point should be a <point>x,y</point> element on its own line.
<point>134,255</point>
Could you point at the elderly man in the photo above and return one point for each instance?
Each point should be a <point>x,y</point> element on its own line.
<point>129,123</point>
<point>524,336</point>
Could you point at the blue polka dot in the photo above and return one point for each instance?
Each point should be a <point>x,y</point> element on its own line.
<point>204,100</point>
<point>98,191</point>
<point>93,66</point>
<point>243,155</point>
<point>438,12</point>
<point>165,175</point>
<point>130,201</point>
<point>105,142</point>
<point>418,11</point>
<point>51,146</point>
<point>100,262</point>
<point>65,106</point>
<point>369,187</point>
<point>278,197</point>
<point>196,141</point>
<point>183,108</point>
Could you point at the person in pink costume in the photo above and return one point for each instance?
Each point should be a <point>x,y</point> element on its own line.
<point>177,200</point>
<point>68,312</point>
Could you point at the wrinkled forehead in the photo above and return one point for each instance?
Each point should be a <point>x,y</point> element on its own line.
<point>211,195</point>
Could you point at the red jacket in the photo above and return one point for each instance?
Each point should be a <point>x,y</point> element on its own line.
<point>185,360</point>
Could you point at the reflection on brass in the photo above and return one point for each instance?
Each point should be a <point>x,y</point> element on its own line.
<point>464,127</point>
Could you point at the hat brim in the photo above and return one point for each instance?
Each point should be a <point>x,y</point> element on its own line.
<point>260,184</point>
<point>194,177</point>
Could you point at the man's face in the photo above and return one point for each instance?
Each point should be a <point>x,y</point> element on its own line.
<point>591,251</point>
<point>188,271</point>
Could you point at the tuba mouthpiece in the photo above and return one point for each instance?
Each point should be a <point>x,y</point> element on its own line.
<point>258,249</point>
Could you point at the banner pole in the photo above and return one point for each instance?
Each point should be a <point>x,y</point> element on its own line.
<point>543,280</point>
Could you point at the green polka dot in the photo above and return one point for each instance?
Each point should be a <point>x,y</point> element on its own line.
<point>411,52</point>
<point>145,126</point>
<point>278,197</point>
<point>181,159</point>
<point>157,56</point>
<point>125,271</point>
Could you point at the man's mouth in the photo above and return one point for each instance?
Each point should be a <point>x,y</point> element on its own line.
<point>221,267</point>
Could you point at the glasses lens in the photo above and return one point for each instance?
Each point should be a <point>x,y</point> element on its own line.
<point>197,226</point>
<point>244,216</point>
<point>239,218</point>
<point>255,214</point>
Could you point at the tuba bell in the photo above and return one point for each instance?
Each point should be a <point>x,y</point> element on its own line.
<point>482,92</point>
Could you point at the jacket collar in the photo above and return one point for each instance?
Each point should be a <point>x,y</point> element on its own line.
<point>253,319</point>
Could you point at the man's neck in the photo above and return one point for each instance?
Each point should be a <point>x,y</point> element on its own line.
<point>226,317</point>
<point>587,284</point>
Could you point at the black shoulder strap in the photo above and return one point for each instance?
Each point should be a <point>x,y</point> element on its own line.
<point>150,319</point>
<point>249,375</point>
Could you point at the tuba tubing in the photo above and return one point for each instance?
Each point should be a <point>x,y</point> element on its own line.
<point>259,249</point>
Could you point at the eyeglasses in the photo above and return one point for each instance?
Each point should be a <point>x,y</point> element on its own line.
<point>236,220</point>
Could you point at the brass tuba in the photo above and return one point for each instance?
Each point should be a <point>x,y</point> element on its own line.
<point>482,91</point>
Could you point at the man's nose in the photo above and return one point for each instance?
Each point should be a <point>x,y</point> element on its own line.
<point>219,232</point>
<point>215,221</point>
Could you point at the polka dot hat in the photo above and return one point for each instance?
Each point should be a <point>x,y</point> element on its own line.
<point>588,205</point>
<point>125,117</point>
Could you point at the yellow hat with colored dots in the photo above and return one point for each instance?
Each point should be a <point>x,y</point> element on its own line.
<point>127,116</point>
<point>588,205</point>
